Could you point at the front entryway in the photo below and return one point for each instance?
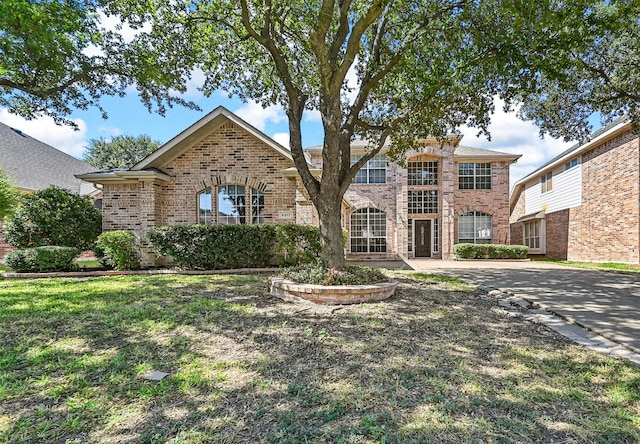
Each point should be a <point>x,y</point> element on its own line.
<point>423,238</point>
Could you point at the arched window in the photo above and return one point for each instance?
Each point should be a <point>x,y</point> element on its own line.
<point>233,205</point>
<point>368,231</point>
<point>475,228</point>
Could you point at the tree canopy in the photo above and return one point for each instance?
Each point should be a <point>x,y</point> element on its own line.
<point>389,71</point>
<point>57,57</point>
<point>8,195</point>
<point>119,152</point>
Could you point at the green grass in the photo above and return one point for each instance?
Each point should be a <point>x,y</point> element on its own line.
<point>603,266</point>
<point>433,364</point>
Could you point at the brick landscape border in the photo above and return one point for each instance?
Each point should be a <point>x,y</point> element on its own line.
<point>331,294</point>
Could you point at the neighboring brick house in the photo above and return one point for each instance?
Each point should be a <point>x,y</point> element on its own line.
<point>222,170</point>
<point>34,165</point>
<point>585,203</point>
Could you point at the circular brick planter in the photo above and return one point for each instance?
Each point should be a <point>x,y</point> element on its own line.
<point>331,294</point>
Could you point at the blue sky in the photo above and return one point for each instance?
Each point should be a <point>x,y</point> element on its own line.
<point>128,116</point>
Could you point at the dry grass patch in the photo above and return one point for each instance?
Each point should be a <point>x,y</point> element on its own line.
<point>432,364</point>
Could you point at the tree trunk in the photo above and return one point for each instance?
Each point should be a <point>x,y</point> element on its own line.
<point>330,210</point>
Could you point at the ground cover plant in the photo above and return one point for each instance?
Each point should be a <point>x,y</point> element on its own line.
<point>433,364</point>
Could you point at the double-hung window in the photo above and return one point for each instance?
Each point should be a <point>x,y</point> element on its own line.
<point>475,228</point>
<point>474,176</point>
<point>546,182</point>
<point>374,171</point>
<point>233,204</point>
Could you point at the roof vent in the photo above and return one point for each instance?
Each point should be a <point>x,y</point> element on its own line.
<point>20,133</point>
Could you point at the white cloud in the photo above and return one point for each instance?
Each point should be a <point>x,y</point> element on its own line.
<point>509,134</point>
<point>109,130</point>
<point>282,139</point>
<point>45,130</point>
<point>254,114</point>
<point>313,116</point>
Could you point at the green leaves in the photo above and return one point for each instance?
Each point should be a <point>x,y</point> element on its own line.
<point>54,216</point>
<point>120,152</point>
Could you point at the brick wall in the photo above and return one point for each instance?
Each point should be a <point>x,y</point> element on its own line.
<point>607,225</point>
<point>229,155</point>
<point>494,201</point>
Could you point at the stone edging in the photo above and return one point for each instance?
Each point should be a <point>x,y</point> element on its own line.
<point>516,306</point>
<point>331,294</point>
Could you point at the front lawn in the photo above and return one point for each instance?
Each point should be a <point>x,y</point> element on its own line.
<point>602,266</point>
<point>434,364</point>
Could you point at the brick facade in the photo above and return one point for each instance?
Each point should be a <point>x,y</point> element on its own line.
<point>494,201</point>
<point>606,226</point>
<point>211,154</point>
<point>229,155</point>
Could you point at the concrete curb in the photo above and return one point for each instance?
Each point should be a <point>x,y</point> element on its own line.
<point>516,306</point>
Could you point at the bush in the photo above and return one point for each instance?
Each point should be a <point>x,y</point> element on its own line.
<point>118,249</point>
<point>54,216</point>
<point>42,259</point>
<point>210,247</point>
<point>316,274</point>
<point>297,244</point>
<point>490,251</point>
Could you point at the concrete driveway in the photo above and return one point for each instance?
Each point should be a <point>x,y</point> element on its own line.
<point>603,302</point>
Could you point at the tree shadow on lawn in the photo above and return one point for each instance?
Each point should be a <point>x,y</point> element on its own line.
<point>428,365</point>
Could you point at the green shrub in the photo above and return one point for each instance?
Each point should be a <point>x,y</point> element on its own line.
<point>297,244</point>
<point>318,275</point>
<point>54,216</point>
<point>208,247</point>
<point>118,249</point>
<point>490,251</point>
<point>42,259</point>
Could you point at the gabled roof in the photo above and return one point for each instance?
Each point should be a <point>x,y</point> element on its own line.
<point>467,152</point>
<point>613,129</point>
<point>198,131</point>
<point>34,165</point>
<point>463,152</point>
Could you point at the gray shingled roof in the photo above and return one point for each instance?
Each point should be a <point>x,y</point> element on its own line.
<point>34,165</point>
<point>468,151</point>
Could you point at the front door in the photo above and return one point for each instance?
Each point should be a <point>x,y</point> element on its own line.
<point>423,238</point>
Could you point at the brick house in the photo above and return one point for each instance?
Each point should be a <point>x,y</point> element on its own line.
<point>222,170</point>
<point>33,165</point>
<point>585,203</point>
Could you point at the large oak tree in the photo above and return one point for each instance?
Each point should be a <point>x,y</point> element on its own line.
<point>421,68</point>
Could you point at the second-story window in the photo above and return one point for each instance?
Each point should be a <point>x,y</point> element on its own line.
<point>374,171</point>
<point>546,182</point>
<point>474,176</point>
<point>422,173</point>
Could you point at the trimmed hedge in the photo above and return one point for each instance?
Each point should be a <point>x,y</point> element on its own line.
<point>211,247</point>
<point>118,249</point>
<point>42,259</point>
<point>490,251</point>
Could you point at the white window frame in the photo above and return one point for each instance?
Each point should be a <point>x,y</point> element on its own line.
<point>254,208</point>
<point>542,235</point>
<point>369,232</point>
<point>365,174</point>
<point>475,178</point>
<point>475,229</point>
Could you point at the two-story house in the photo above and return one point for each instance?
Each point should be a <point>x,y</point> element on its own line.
<point>222,170</point>
<point>585,203</point>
